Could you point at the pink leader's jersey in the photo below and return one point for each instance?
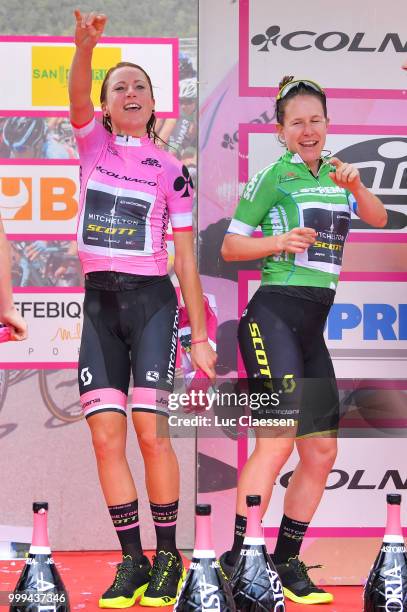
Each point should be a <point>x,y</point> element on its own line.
<point>129,188</point>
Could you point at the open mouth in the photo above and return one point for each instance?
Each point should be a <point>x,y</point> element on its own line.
<point>132,107</point>
<point>308,144</point>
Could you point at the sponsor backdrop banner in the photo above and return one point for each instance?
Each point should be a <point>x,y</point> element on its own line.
<point>42,64</point>
<point>40,197</point>
<point>361,54</point>
<point>357,57</point>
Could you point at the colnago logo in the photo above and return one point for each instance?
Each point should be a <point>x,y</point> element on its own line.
<point>393,589</point>
<point>358,480</point>
<point>209,597</point>
<point>229,141</point>
<point>123,177</point>
<point>184,181</point>
<point>277,589</point>
<point>353,42</point>
<point>382,163</point>
<point>173,351</point>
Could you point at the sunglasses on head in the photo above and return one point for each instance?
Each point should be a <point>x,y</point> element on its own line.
<point>296,84</point>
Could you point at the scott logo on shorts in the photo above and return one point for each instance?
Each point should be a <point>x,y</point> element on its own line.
<point>152,376</point>
<point>86,377</point>
<point>258,346</point>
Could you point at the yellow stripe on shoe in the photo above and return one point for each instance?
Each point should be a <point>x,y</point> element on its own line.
<point>160,602</point>
<point>123,602</point>
<point>310,599</point>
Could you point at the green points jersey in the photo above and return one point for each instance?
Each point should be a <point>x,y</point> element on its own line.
<point>286,195</point>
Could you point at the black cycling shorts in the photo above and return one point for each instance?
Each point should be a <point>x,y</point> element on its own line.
<point>284,352</point>
<point>130,325</point>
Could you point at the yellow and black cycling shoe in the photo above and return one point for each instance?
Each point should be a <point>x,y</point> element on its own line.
<point>131,580</point>
<point>167,576</point>
<point>298,586</point>
<point>226,567</point>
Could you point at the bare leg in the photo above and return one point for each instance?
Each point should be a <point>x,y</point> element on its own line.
<point>108,431</point>
<point>307,484</point>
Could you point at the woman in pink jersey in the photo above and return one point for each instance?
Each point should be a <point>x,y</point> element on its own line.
<point>129,190</point>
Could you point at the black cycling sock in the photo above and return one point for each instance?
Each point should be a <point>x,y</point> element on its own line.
<point>240,530</point>
<point>126,523</point>
<point>165,523</point>
<point>290,537</point>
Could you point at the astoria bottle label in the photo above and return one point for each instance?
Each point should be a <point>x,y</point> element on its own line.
<point>386,586</point>
<point>40,587</point>
<point>255,584</point>
<point>205,588</point>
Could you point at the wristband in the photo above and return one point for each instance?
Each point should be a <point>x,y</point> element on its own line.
<point>199,341</point>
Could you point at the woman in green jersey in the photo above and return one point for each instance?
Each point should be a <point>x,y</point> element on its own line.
<point>303,203</point>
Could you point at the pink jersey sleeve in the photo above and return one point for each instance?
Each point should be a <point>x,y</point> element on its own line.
<point>90,138</point>
<point>180,193</point>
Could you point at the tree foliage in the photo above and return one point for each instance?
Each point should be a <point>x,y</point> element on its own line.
<point>177,18</point>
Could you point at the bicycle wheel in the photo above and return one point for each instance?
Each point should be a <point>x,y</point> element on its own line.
<point>59,390</point>
<point>4,376</point>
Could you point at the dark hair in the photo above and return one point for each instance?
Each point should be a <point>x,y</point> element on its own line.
<point>107,123</point>
<point>301,90</point>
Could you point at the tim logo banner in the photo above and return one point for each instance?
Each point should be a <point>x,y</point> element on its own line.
<point>40,198</point>
<point>361,44</point>
<point>379,153</point>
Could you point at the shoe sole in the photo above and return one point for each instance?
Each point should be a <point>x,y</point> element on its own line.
<point>153,602</point>
<point>123,602</point>
<point>311,599</point>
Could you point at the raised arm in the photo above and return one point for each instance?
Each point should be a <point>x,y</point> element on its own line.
<point>89,28</point>
<point>369,208</point>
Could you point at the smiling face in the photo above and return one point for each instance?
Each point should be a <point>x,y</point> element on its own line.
<point>129,101</point>
<point>304,128</point>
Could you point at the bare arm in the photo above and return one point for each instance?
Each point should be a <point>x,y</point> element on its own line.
<point>89,29</point>
<point>370,208</point>
<point>245,248</point>
<point>202,354</point>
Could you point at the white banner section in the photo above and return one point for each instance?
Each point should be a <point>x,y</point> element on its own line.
<point>54,322</point>
<point>42,65</point>
<point>366,332</point>
<point>308,40</point>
